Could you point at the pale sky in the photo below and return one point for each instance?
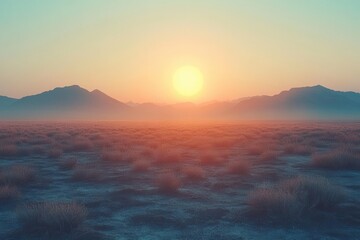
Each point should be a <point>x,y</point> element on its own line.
<point>131,49</point>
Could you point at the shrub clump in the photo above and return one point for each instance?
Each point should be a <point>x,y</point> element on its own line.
<point>86,174</point>
<point>113,156</point>
<point>141,166</point>
<point>167,156</point>
<point>297,149</point>
<point>51,217</point>
<point>55,153</point>
<point>168,183</point>
<point>239,168</point>
<point>68,164</point>
<point>8,150</point>
<point>193,173</point>
<point>337,159</point>
<point>8,193</point>
<point>294,198</point>
<point>18,175</point>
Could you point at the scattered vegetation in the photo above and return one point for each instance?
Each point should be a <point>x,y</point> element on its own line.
<point>9,150</point>
<point>51,217</point>
<point>141,165</point>
<point>17,175</point>
<point>294,198</point>
<point>239,167</point>
<point>140,169</point>
<point>194,173</point>
<point>337,159</point>
<point>84,173</point>
<point>168,183</point>
<point>8,193</point>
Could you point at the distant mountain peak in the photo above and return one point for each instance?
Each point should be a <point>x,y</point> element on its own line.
<point>72,87</point>
<point>97,91</point>
<point>316,87</point>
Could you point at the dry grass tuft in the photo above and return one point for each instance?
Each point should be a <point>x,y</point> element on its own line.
<point>338,159</point>
<point>18,175</point>
<point>141,165</point>
<point>8,193</point>
<point>168,183</point>
<point>239,167</point>
<point>193,173</point>
<point>51,217</point>
<point>294,198</point>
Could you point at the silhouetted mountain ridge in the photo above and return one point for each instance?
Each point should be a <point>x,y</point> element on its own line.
<point>316,101</point>
<point>74,102</point>
<point>71,102</point>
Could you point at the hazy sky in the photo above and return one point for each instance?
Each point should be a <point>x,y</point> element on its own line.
<point>131,48</point>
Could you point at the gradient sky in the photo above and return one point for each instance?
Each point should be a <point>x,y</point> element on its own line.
<point>130,49</point>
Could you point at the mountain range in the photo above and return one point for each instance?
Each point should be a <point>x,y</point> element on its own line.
<point>76,103</point>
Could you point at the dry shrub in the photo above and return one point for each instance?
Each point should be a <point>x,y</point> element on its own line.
<point>193,173</point>
<point>55,153</point>
<point>210,158</point>
<point>86,174</point>
<point>81,145</point>
<point>18,175</point>
<point>272,203</point>
<point>338,159</point>
<point>147,152</point>
<point>68,164</point>
<point>8,150</point>
<point>314,192</point>
<point>297,149</point>
<point>141,165</point>
<point>114,156</point>
<point>38,149</point>
<point>255,150</point>
<point>168,183</point>
<point>167,156</point>
<point>239,167</point>
<point>8,193</point>
<point>294,198</point>
<point>223,143</point>
<point>51,217</point>
<point>269,156</point>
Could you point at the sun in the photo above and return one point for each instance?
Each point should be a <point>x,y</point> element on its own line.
<point>188,81</point>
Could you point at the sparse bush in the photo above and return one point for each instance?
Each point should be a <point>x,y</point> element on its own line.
<point>255,150</point>
<point>293,198</point>
<point>274,203</point>
<point>167,156</point>
<point>81,144</point>
<point>8,193</point>
<point>38,149</point>
<point>68,164</point>
<point>210,159</point>
<point>8,150</point>
<point>239,167</point>
<point>194,173</point>
<point>86,174</point>
<point>18,175</point>
<point>51,217</point>
<point>112,157</point>
<point>55,153</point>
<point>168,183</point>
<point>336,160</point>
<point>297,149</point>
<point>314,192</point>
<point>269,156</point>
<point>147,152</point>
<point>141,165</point>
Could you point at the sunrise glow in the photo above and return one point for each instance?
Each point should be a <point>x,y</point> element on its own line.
<point>188,81</point>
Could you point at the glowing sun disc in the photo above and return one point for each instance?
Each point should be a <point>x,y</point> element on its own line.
<point>188,81</point>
